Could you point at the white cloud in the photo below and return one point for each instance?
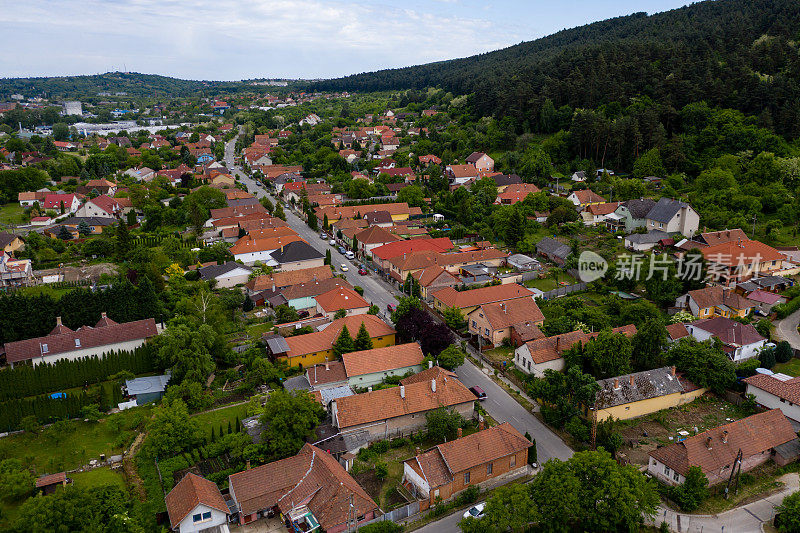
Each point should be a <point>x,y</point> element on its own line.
<point>233,39</point>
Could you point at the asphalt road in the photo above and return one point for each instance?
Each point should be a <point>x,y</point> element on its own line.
<point>786,329</point>
<point>375,291</point>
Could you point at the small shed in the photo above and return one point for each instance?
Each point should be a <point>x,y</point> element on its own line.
<point>48,484</point>
<point>522,262</point>
<point>147,389</point>
<point>438,218</point>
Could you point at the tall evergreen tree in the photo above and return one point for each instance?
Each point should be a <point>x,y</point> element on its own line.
<point>123,240</point>
<point>344,344</point>
<point>363,340</point>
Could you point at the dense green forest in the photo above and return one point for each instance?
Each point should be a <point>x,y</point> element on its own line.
<point>739,54</point>
<point>132,83</point>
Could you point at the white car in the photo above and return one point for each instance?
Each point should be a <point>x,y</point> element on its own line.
<point>332,242</point>
<point>475,511</point>
<point>344,267</point>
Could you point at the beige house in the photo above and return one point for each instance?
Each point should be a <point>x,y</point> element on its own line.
<point>673,216</point>
<point>493,322</point>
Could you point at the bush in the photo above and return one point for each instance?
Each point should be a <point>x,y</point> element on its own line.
<point>382,527</point>
<point>578,429</point>
<point>399,443</point>
<point>366,454</point>
<point>380,446</point>
<point>381,471</point>
<point>468,496</point>
<point>693,491</point>
<point>767,357</point>
<point>359,290</point>
<point>783,352</point>
<point>786,309</point>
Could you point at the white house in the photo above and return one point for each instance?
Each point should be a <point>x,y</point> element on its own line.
<point>776,391</point>
<point>228,275</point>
<point>741,341</point>
<point>673,216</point>
<point>195,504</point>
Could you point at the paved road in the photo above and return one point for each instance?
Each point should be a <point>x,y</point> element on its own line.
<point>375,291</point>
<point>786,329</point>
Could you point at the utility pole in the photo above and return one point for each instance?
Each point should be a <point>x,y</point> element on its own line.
<point>754,227</point>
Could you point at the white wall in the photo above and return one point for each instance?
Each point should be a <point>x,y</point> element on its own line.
<point>218,518</point>
<point>233,278</point>
<point>88,352</point>
<point>250,258</point>
<point>522,356</point>
<point>415,479</point>
<point>770,401</point>
<point>658,470</point>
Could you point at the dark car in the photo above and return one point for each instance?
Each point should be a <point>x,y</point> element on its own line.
<point>478,392</point>
<point>342,250</point>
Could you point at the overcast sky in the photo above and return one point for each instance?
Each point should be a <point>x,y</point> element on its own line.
<point>241,39</point>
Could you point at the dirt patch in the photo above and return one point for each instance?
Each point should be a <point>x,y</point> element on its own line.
<point>84,272</point>
<point>370,483</point>
<point>645,434</point>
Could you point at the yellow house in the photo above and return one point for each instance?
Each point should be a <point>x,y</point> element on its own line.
<point>642,393</point>
<point>715,301</point>
<point>316,348</point>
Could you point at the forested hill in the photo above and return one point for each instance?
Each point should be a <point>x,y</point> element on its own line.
<point>740,54</point>
<point>132,83</point>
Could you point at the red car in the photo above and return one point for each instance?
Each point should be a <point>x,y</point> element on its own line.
<point>363,271</point>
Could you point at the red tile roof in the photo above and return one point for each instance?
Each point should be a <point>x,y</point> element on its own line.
<point>735,253</point>
<point>787,390</point>
<point>84,338</point>
<point>341,298</point>
<point>323,340</point>
<point>382,359</point>
<point>395,249</point>
<point>51,479</point>
<point>475,297</point>
<point>729,331</point>
<point>190,492</point>
<point>504,314</point>
<point>753,435</point>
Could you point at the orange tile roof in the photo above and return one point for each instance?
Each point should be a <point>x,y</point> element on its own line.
<point>482,447</point>
<point>340,298</point>
<point>677,331</point>
<point>288,278</point>
<point>504,314</point>
<point>551,348</point>
<point>248,244</point>
<point>190,492</point>
<point>753,435</point>
<point>428,275</point>
<point>395,249</point>
<point>474,297</point>
<point>587,196</point>
<point>336,212</point>
<point>382,359</point>
<point>312,476</point>
<point>788,390</point>
<point>375,235</point>
<point>323,340</point>
<point>438,373</point>
<point>388,403</point>
<point>735,253</point>
<point>330,372</point>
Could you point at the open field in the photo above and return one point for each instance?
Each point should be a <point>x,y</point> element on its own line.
<point>98,477</point>
<point>11,214</point>
<point>221,417</point>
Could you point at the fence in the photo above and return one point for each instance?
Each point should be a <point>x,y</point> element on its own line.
<point>397,514</point>
<point>563,291</point>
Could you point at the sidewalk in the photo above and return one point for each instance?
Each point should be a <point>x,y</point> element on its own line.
<point>744,519</point>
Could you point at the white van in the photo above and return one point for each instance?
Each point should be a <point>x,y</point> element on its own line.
<point>350,255</point>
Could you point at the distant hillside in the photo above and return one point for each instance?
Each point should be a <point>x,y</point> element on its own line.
<point>733,53</point>
<point>132,83</point>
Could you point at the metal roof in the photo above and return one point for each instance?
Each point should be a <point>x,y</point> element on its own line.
<point>147,384</point>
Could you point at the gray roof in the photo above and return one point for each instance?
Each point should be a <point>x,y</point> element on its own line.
<point>296,251</point>
<point>648,384</point>
<point>253,427</point>
<point>277,344</point>
<point>640,208</point>
<point>332,393</point>
<point>297,383</point>
<point>213,271</point>
<point>92,221</point>
<point>236,202</point>
<point>147,384</point>
<point>550,246</point>
<point>771,281</point>
<point>6,238</point>
<point>647,238</point>
<point>521,261</point>
<point>506,179</point>
<point>665,209</point>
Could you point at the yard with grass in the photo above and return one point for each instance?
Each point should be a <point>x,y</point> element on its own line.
<point>256,330</point>
<point>221,417</point>
<point>12,214</point>
<point>642,435</point>
<point>98,477</point>
<point>501,354</point>
<point>65,446</point>
<point>45,290</point>
<point>790,368</point>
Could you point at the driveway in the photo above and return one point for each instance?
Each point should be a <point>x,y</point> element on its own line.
<point>786,329</point>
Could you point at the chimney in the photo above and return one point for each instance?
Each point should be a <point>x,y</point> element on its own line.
<point>327,365</point>
<point>616,383</point>
<point>418,451</point>
<point>672,371</point>
<point>724,436</point>
<point>631,380</point>
<point>103,314</point>
<point>433,385</point>
<point>481,425</point>
<point>58,321</point>
<point>402,391</point>
<point>248,464</point>
<point>430,364</point>
<point>369,389</point>
<point>459,432</point>
<point>558,337</point>
<point>708,443</point>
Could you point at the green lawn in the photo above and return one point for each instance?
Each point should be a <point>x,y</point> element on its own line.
<point>256,330</point>
<point>213,419</point>
<point>98,477</point>
<point>52,450</point>
<point>500,354</point>
<point>11,214</point>
<point>792,368</point>
<point>45,290</point>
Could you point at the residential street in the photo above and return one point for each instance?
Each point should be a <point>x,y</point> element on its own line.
<point>786,329</point>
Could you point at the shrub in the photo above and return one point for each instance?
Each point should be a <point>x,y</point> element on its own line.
<point>380,446</point>
<point>693,491</point>
<point>366,454</point>
<point>469,495</point>
<point>577,428</point>
<point>399,443</point>
<point>381,471</point>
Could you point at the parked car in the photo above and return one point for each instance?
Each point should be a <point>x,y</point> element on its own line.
<point>350,255</point>
<point>478,392</point>
<point>323,236</point>
<point>476,511</point>
<point>332,242</point>
<point>342,250</point>
<point>363,271</point>
<point>344,267</point>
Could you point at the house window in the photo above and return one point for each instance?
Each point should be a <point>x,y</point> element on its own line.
<point>660,225</point>
<point>45,349</point>
<point>197,517</point>
<point>513,462</point>
<point>474,324</point>
<point>207,515</point>
<point>487,332</point>
<point>666,470</point>
<point>489,469</point>
<point>466,478</point>
<point>77,343</point>
<point>676,476</point>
